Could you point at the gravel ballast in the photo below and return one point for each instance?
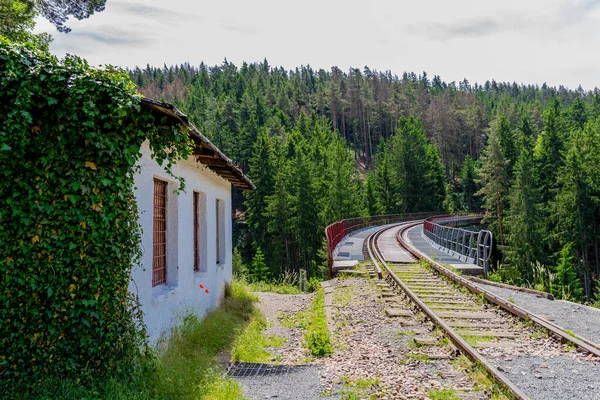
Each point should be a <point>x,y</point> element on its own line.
<point>582,320</point>
<point>542,377</point>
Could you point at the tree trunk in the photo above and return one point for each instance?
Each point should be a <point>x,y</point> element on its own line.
<point>499,214</point>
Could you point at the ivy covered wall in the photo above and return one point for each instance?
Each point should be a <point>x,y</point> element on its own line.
<point>70,137</point>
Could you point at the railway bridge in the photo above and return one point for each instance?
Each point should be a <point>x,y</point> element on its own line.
<point>522,339</point>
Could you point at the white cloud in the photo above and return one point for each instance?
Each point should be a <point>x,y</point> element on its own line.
<point>532,41</point>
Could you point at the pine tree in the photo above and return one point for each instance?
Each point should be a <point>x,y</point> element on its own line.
<point>372,203</point>
<point>469,187</point>
<point>494,184</point>
<point>262,173</point>
<point>524,222</point>
<point>386,185</point>
<point>508,144</point>
<point>548,150</point>
<point>259,270</point>
<point>568,284</point>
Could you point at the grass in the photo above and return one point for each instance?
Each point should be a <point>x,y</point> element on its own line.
<point>281,288</point>
<point>251,345</point>
<point>184,366</point>
<point>411,357</point>
<point>473,340</point>
<point>342,296</point>
<point>443,394</point>
<point>316,336</point>
<point>511,300</point>
<point>482,380</point>
<point>356,389</point>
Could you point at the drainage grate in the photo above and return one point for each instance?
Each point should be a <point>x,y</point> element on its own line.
<point>348,244</point>
<point>246,370</point>
<point>344,254</point>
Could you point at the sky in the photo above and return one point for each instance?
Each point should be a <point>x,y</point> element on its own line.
<point>523,41</point>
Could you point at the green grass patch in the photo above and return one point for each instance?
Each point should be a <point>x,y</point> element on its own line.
<point>481,378</point>
<point>443,394</point>
<point>316,337</point>
<point>356,389</point>
<point>281,288</point>
<point>251,345</point>
<point>342,296</point>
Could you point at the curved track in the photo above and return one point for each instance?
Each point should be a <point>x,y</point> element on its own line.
<point>477,328</point>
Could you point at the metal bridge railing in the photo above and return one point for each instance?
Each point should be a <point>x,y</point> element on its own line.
<point>474,247</point>
<point>337,231</point>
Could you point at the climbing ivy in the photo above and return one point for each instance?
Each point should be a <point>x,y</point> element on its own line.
<point>70,137</point>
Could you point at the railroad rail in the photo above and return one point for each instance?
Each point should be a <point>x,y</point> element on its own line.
<point>455,305</point>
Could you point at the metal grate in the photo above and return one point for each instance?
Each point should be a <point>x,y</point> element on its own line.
<point>196,238</point>
<point>159,248</point>
<point>247,370</point>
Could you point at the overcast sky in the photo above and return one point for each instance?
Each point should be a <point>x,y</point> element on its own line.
<point>527,41</point>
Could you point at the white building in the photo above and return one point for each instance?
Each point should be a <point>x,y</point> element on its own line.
<point>186,239</point>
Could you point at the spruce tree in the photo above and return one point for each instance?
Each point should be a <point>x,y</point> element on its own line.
<point>372,203</point>
<point>508,144</point>
<point>494,184</point>
<point>262,173</point>
<point>568,284</point>
<point>469,187</point>
<point>524,221</point>
<point>259,270</point>
<point>548,150</point>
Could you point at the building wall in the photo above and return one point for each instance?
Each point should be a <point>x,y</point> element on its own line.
<point>165,305</point>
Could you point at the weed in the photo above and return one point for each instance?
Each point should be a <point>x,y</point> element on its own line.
<point>443,394</point>
<point>281,288</point>
<point>411,357</point>
<point>316,337</point>
<point>480,376</point>
<point>511,300</point>
<point>342,296</point>
<point>288,320</point>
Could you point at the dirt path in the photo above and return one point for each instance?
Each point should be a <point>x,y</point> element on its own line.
<point>281,313</point>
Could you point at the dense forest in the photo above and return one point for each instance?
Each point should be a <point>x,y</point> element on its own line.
<point>325,145</point>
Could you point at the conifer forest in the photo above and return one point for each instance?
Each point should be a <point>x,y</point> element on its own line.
<point>326,145</point>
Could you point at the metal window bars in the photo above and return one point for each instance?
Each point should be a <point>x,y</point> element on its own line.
<point>196,233</point>
<point>159,242</point>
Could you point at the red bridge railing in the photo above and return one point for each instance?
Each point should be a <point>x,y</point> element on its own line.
<point>337,231</point>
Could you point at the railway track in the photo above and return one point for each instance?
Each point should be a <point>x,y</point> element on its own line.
<point>485,328</point>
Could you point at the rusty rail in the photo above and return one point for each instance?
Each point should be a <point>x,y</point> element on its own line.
<point>459,342</point>
<point>582,343</point>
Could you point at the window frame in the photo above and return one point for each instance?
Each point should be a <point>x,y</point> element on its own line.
<point>159,232</point>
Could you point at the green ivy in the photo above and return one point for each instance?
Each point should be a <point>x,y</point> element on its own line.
<point>70,137</point>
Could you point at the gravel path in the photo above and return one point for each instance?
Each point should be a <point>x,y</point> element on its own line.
<point>582,320</point>
<point>282,308</point>
<point>303,384</point>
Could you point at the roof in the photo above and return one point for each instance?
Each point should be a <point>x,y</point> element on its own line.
<point>205,152</point>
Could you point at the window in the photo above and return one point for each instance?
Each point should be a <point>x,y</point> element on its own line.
<point>196,232</point>
<point>220,231</point>
<point>159,241</point>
